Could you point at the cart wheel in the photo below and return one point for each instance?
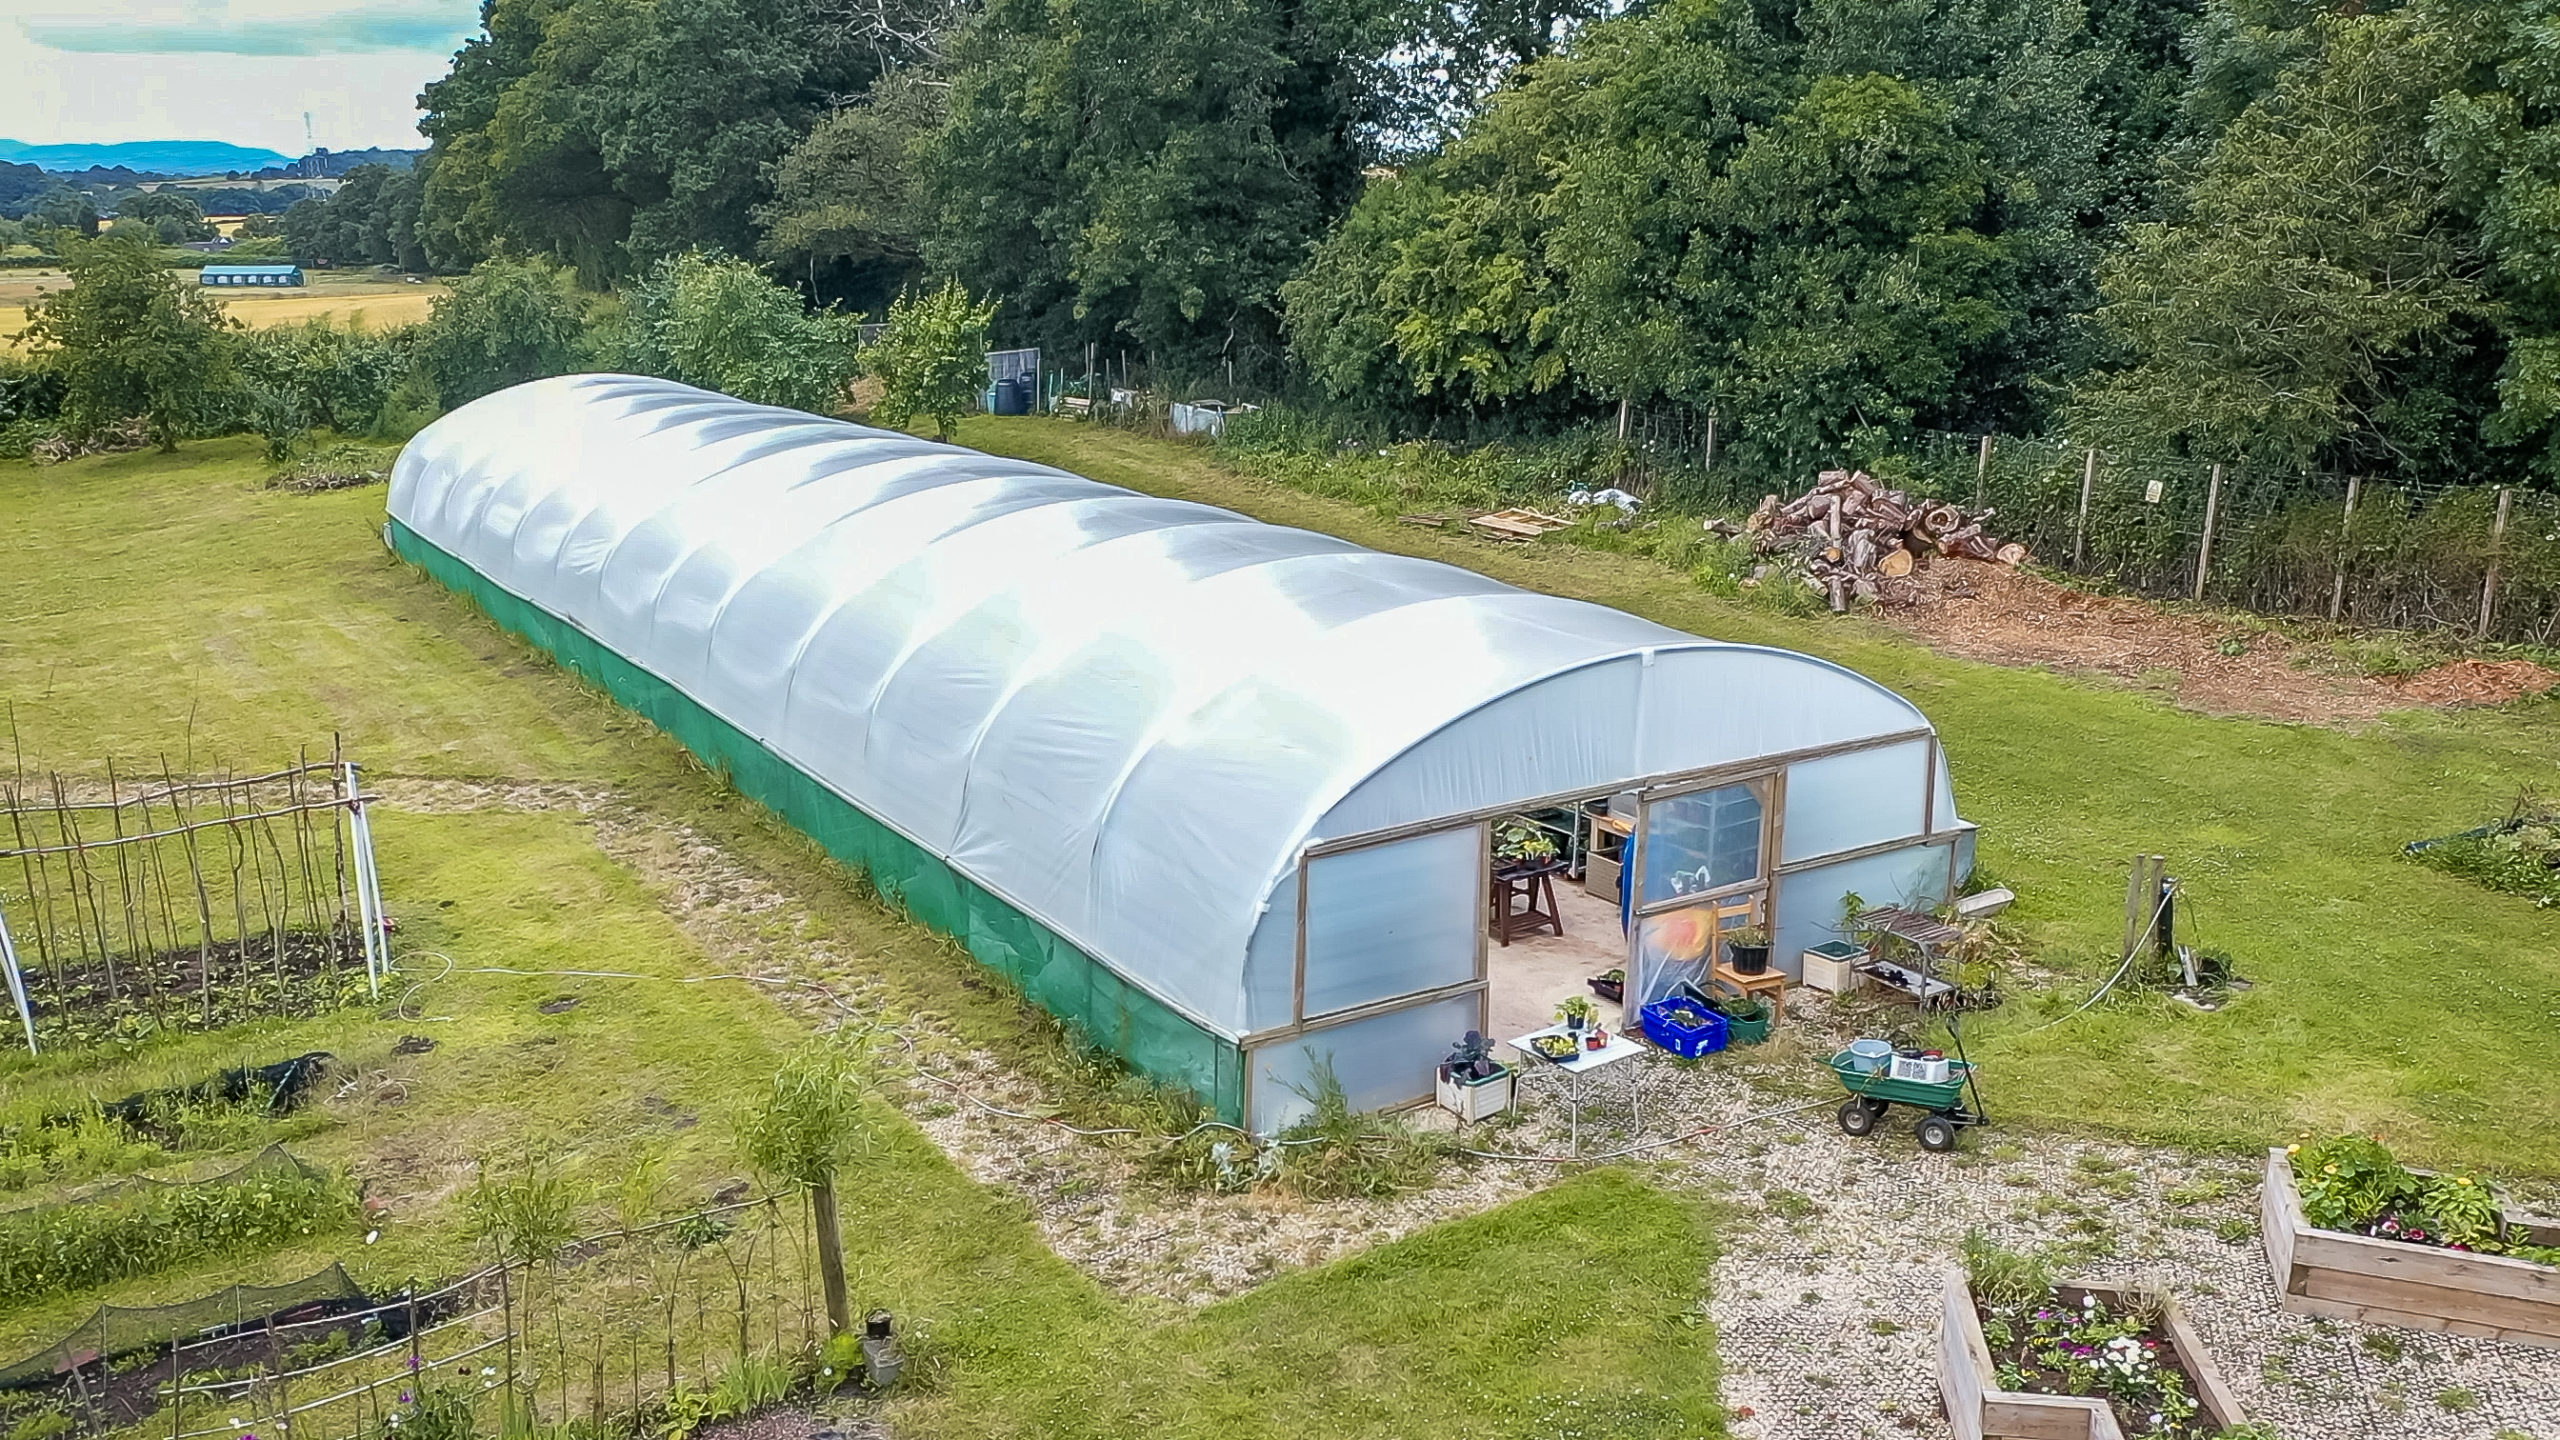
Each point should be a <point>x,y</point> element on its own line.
<point>1856,1118</point>
<point>1937,1134</point>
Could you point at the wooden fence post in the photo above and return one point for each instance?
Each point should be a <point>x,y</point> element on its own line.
<point>2212,511</point>
<point>2346,531</point>
<point>1982,473</point>
<point>2497,543</point>
<point>1622,420</point>
<point>2080,526</point>
<point>1711,442</point>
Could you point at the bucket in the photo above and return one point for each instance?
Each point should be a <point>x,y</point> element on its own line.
<point>1871,1056</point>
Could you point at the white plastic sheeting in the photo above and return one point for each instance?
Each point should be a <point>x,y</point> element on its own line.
<point>1125,715</point>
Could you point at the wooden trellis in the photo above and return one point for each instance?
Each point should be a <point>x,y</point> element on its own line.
<point>109,891</point>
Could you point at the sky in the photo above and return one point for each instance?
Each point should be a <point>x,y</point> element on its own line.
<point>246,71</point>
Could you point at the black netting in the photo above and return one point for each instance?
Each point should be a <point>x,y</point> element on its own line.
<point>274,1160</point>
<point>114,1330</point>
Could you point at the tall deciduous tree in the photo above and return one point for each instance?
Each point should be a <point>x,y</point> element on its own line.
<point>2308,302</point>
<point>1150,169</point>
<point>1819,219</point>
<point>131,338</point>
<point>612,133</point>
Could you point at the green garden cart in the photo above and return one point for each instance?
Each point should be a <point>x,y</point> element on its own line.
<point>1951,1104</point>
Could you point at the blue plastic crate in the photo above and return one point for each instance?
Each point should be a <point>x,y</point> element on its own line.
<point>1687,1041</point>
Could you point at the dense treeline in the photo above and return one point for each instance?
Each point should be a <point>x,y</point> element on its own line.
<point>2285,234</point>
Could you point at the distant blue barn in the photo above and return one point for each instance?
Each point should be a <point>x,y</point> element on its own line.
<point>251,275</point>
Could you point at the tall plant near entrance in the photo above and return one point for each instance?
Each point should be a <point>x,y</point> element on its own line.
<point>810,1125</point>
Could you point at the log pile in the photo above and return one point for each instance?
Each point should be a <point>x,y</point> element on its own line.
<point>1851,536</point>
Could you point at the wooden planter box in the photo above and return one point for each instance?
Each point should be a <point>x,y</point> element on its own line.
<point>1978,1409</point>
<point>2417,1287</point>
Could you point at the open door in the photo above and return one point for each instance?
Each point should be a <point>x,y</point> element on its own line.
<point>1700,869</point>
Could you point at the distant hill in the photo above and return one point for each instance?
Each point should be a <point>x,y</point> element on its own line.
<point>156,157</point>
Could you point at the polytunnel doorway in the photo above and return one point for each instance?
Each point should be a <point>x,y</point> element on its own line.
<point>1554,917</point>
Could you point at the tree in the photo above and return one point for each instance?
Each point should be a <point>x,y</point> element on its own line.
<point>371,220</point>
<point>506,322</point>
<point>2303,307</point>
<point>848,195</point>
<point>171,215</point>
<point>315,374</point>
<point>611,134</point>
<point>130,337</point>
<point>63,208</point>
<point>1150,167</point>
<point>931,358</point>
<point>260,227</point>
<point>811,1124</point>
<point>1837,219</point>
<point>716,321</point>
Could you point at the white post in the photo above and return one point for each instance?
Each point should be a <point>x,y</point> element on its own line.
<point>368,898</point>
<point>2497,544</point>
<point>1711,441</point>
<point>17,984</point>
<point>1982,474</point>
<point>2080,527</point>
<point>2346,535</point>
<point>2204,551</point>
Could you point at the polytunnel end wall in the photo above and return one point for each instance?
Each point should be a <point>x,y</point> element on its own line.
<point>1053,973</point>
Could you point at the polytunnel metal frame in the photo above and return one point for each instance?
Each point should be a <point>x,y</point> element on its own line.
<point>1439,692</point>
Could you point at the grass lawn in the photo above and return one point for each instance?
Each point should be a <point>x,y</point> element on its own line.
<point>2389,997</point>
<point>167,605</point>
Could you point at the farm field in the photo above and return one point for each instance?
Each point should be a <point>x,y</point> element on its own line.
<point>345,298</point>
<point>529,827</point>
<point>2389,998</point>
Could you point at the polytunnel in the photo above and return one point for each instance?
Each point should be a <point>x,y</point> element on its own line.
<point>1221,793</point>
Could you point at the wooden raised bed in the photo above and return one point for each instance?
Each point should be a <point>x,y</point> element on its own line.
<point>2417,1287</point>
<point>1978,1409</point>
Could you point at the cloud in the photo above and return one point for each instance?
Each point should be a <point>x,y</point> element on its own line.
<point>439,27</point>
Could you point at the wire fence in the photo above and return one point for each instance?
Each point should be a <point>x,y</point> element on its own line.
<point>2478,560</point>
<point>599,1338</point>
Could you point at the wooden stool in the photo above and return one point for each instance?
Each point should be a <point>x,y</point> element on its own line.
<point>1534,886</point>
<point>1770,983</point>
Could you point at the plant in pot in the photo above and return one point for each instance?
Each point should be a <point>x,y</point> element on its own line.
<point>1577,1013</point>
<point>1519,844</point>
<point>1746,949</point>
<point>1746,1017</point>
<point>1474,1085</point>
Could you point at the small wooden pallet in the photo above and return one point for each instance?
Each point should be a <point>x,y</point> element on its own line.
<point>1518,524</point>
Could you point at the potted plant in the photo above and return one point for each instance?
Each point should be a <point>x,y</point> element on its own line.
<point>1747,949</point>
<point>1519,844</point>
<point>1474,1085</point>
<point>1576,1013</point>
<point>1746,1017</point>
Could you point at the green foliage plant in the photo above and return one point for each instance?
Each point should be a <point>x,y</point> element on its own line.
<point>131,338</point>
<point>812,1122</point>
<point>931,358</point>
<point>506,322</point>
<point>718,322</point>
<point>56,1249</point>
<point>2349,1182</point>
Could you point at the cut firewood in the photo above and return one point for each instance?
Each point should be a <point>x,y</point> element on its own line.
<point>1851,531</point>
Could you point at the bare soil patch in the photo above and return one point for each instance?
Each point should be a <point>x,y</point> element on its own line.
<point>2012,617</point>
